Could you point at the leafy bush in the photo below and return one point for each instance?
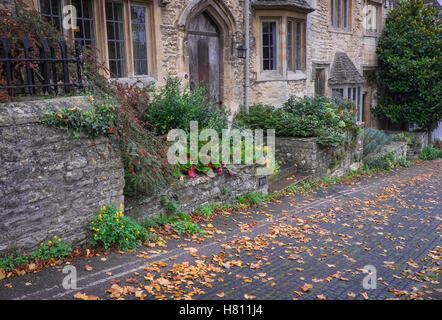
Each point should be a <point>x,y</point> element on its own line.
<point>430,153</point>
<point>252,198</point>
<point>173,108</point>
<point>404,162</point>
<point>180,222</point>
<point>185,226</point>
<point>325,118</point>
<point>206,211</point>
<point>375,140</point>
<point>55,249</point>
<point>111,227</point>
<point>385,162</point>
<point>11,262</point>
<point>409,66</point>
<point>405,137</point>
<point>95,122</point>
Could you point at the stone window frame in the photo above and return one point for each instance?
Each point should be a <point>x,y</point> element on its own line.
<point>353,92</point>
<point>281,73</point>
<point>333,15</point>
<point>274,45</point>
<point>148,43</point>
<point>298,61</point>
<point>101,36</point>
<point>377,4</point>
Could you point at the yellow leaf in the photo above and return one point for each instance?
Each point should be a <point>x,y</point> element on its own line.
<point>320,297</point>
<point>81,296</point>
<point>221,294</point>
<point>2,274</point>
<point>249,297</point>
<point>306,287</point>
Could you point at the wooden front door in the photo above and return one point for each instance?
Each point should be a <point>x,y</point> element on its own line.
<point>320,82</point>
<point>204,55</point>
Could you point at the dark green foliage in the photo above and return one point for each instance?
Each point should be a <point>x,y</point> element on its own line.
<point>325,118</point>
<point>52,249</point>
<point>252,198</point>
<point>180,222</point>
<point>170,206</point>
<point>173,107</point>
<point>95,122</point>
<point>111,227</point>
<point>375,140</point>
<point>385,162</point>
<point>430,153</point>
<point>410,66</point>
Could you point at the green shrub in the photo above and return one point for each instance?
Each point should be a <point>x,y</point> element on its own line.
<point>170,206</point>
<point>95,122</point>
<point>11,262</point>
<point>185,226</point>
<point>410,66</point>
<point>375,140</point>
<point>206,211</point>
<point>53,249</point>
<point>252,198</point>
<point>404,162</point>
<point>111,227</point>
<point>325,118</point>
<point>173,108</point>
<point>385,162</point>
<point>430,153</point>
<point>180,222</point>
<point>156,222</point>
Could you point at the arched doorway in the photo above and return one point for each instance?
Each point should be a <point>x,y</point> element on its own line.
<point>203,45</point>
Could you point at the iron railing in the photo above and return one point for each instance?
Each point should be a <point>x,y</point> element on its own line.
<point>46,73</point>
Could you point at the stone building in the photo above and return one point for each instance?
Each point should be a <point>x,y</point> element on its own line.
<point>297,47</point>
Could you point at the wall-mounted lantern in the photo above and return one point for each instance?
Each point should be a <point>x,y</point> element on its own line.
<point>242,52</point>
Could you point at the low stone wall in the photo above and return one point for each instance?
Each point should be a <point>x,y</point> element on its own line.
<point>51,183</point>
<point>418,141</point>
<point>190,194</point>
<point>306,156</point>
<point>399,149</point>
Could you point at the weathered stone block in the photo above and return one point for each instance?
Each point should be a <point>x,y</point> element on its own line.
<point>306,156</point>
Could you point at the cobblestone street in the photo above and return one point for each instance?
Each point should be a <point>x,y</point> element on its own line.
<point>311,246</point>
